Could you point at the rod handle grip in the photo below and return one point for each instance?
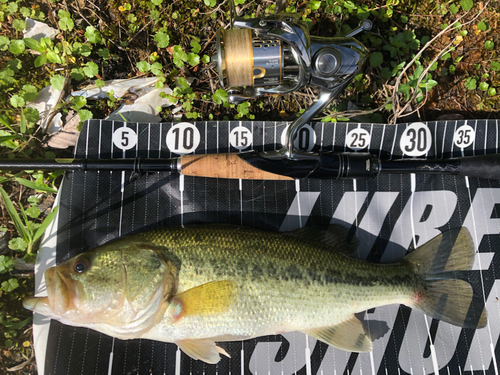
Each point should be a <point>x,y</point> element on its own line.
<point>224,166</point>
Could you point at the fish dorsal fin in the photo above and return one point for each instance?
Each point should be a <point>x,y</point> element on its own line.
<point>203,349</point>
<point>211,298</point>
<point>351,336</point>
<point>334,235</point>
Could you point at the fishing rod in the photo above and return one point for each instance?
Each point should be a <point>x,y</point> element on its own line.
<point>252,165</point>
<point>276,55</point>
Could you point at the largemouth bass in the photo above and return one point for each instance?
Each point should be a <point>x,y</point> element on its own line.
<point>199,285</point>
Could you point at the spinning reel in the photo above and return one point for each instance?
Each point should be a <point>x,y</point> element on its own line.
<point>276,55</point>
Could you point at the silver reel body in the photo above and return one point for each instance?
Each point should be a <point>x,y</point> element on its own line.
<point>276,55</point>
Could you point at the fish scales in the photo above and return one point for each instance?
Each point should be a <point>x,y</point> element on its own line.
<point>285,282</point>
<point>196,285</point>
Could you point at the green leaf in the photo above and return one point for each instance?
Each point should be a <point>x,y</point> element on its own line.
<point>220,96</point>
<point>17,47</point>
<point>470,83</point>
<point>454,9</point>
<point>483,86</point>
<point>41,229</point>
<point>25,12</point>
<point>6,138</point>
<point>17,101</point>
<point>104,53</point>
<point>179,56</point>
<point>243,108</point>
<point>91,69</point>
<point>315,4</point>
<point>100,83</point>
<point>492,91</point>
<point>33,212</point>
<point>85,115</point>
<point>66,23</point>
<point>92,35</point>
<point>54,57</point>
<point>193,59</point>
<point>446,56</point>
<point>77,73</point>
<point>32,114</point>
<point>495,65</point>
<point>23,124</point>
<point>483,26</point>
<point>63,14</point>
<point>46,43</point>
<point>40,60</point>
<point>6,77</point>
<point>157,69</point>
<point>30,92</point>
<point>15,64</point>
<point>18,244</point>
<point>143,66</point>
<point>21,229</point>
<point>10,285</point>
<point>33,185</point>
<point>489,45</point>
<point>12,325</point>
<point>376,58</point>
<point>183,83</point>
<point>466,5</point>
<point>428,85</point>
<point>81,49</point>
<point>205,59</point>
<point>19,25</point>
<point>162,39</point>
<point>195,45</point>
<point>12,7</point>
<point>4,43</point>
<point>404,89</point>
<point>57,81</point>
<point>6,264</point>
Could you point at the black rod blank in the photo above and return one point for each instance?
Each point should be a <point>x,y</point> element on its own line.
<point>328,165</point>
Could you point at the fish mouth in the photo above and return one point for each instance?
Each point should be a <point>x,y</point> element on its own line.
<point>58,300</point>
<point>37,304</point>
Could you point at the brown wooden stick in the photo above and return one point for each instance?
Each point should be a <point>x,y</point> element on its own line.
<point>224,166</point>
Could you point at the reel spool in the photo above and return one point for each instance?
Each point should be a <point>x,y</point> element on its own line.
<point>247,60</point>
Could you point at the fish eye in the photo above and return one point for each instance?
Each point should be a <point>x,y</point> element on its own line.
<point>81,265</point>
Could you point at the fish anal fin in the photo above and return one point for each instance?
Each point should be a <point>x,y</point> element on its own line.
<point>208,299</point>
<point>203,349</point>
<point>350,335</point>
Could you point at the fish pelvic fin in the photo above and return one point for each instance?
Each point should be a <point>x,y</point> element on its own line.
<point>203,349</point>
<point>350,335</point>
<point>442,295</point>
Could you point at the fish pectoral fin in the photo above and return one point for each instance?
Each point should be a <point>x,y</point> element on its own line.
<point>351,336</point>
<point>203,349</point>
<point>208,299</point>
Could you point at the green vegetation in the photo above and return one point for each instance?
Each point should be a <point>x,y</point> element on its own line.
<point>428,58</point>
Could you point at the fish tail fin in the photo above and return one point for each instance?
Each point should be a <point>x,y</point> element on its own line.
<point>443,296</point>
